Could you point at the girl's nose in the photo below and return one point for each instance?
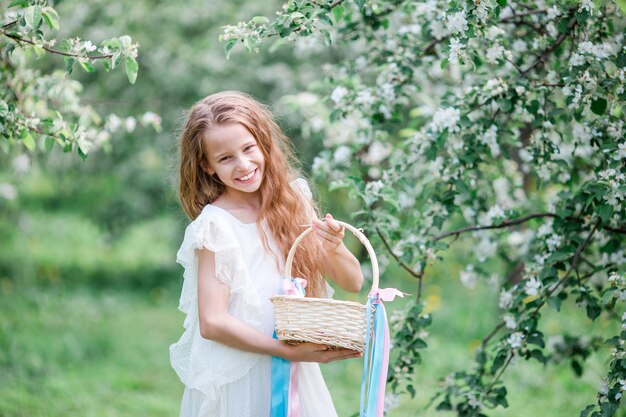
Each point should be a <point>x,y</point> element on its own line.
<point>243,163</point>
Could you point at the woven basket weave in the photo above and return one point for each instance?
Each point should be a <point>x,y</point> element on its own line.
<point>324,321</point>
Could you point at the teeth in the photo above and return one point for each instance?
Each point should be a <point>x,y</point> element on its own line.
<point>247,177</point>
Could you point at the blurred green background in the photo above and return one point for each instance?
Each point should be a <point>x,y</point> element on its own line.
<point>88,280</point>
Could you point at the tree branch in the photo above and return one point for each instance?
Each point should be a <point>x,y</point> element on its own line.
<point>507,223</point>
<point>556,44</point>
<point>21,40</point>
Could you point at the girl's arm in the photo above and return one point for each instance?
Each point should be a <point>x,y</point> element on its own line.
<point>217,324</point>
<point>340,264</point>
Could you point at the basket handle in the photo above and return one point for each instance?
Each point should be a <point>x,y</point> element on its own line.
<point>356,232</point>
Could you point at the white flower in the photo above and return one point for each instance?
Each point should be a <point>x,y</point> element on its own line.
<point>532,287</point>
<point>519,46</point>
<point>494,32</point>
<point>338,94</point>
<point>495,212</point>
<point>8,191</point>
<point>391,401</point>
<point>495,87</point>
<point>150,118</point>
<point>365,98</point>
<point>553,241</point>
<point>494,53</point>
<point>342,155</point>
<point>113,123</point>
<point>446,119</point>
<point>587,5</point>
<point>457,23</point>
<point>506,298</point>
<point>377,152</point>
<point>438,30</point>
<point>130,123</point>
<point>515,339</point>
<point>621,152</point>
<point>581,133</point>
<point>374,187</point>
<point>89,47</point>
<point>468,277</point>
<point>509,321</point>
<point>553,13</point>
<point>456,51</point>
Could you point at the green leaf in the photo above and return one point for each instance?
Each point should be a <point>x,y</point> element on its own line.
<point>598,106</point>
<point>125,41</point>
<point>69,64</point>
<point>132,67</point>
<point>277,44</point>
<point>555,303</point>
<point>86,65</point>
<point>4,109</point>
<point>577,367</point>
<point>593,311</point>
<point>608,409</point>
<point>605,212</point>
<point>587,410</point>
<point>327,37</point>
<point>32,16</point>
<point>444,63</point>
<point>22,3</point>
<point>323,17</point>
<point>229,46</point>
<point>502,3</point>
<point>260,20</point>
<point>621,58</point>
<point>622,5</point>
<point>338,12</point>
<point>39,51</point>
<point>563,25</point>
<point>360,4</point>
<point>49,143</point>
<point>51,17</point>
<point>27,140</point>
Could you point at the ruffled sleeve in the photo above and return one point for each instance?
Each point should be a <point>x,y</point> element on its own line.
<point>301,185</point>
<point>200,363</point>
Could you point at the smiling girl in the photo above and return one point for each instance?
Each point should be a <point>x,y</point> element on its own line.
<point>247,204</point>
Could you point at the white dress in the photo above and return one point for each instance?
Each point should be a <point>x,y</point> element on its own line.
<point>221,381</point>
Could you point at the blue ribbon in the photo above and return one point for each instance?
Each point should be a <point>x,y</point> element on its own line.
<point>281,376</point>
<point>280,386</point>
<point>373,357</point>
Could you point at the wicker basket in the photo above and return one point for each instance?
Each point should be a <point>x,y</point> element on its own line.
<point>324,321</point>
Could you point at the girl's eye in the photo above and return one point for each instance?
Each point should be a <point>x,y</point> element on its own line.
<point>249,147</point>
<point>224,158</point>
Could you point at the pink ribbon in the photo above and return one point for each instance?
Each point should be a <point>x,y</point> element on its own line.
<point>290,288</point>
<point>294,396</point>
<point>387,294</point>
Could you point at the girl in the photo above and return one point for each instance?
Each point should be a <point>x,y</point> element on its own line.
<point>247,205</point>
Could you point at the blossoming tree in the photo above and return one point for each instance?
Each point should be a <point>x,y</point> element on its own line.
<point>39,109</point>
<point>498,121</point>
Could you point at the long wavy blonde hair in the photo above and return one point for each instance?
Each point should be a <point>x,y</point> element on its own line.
<point>283,208</point>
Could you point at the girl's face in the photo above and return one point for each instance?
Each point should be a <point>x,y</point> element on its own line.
<point>234,155</point>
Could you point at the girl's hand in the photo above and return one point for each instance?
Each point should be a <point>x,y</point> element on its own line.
<point>329,232</point>
<point>311,352</point>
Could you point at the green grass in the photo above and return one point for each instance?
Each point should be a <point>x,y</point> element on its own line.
<point>84,352</point>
